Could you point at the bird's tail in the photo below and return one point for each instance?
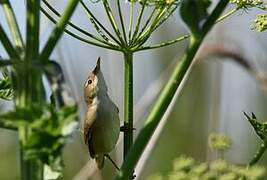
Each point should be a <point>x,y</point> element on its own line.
<point>99,158</point>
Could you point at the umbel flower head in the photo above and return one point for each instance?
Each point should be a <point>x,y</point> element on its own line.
<point>247,3</point>
<point>157,3</point>
<point>260,23</point>
<point>219,142</point>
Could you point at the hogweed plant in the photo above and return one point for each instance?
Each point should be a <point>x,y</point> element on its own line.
<point>187,168</point>
<point>44,125</point>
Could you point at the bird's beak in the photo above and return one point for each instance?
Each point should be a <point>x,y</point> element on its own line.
<point>97,68</point>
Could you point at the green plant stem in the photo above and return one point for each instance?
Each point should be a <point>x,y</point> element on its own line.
<point>259,153</point>
<point>13,25</point>
<point>29,91</point>
<point>131,20</point>
<point>74,26</point>
<point>168,43</point>
<point>97,25</point>
<point>116,48</point>
<point>166,96</point>
<point>128,102</point>
<point>147,33</point>
<point>112,20</point>
<point>121,20</point>
<point>170,12</point>
<point>226,15</point>
<point>139,18</point>
<point>58,30</point>
<point>32,28</point>
<point>11,51</point>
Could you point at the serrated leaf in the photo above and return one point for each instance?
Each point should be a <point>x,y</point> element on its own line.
<point>6,91</point>
<point>260,128</point>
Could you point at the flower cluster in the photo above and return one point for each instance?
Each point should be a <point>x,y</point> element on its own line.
<point>260,23</point>
<point>186,168</point>
<point>157,3</point>
<point>219,142</point>
<point>247,3</point>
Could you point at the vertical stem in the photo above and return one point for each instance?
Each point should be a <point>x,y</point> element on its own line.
<point>31,169</point>
<point>128,102</point>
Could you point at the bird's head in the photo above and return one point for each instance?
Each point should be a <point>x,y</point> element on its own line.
<point>91,85</point>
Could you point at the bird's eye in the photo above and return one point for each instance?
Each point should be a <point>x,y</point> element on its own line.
<point>90,81</point>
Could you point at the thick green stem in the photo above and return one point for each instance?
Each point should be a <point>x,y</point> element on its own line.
<point>128,102</point>
<point>259,153</point>
<point>11,51</point>
<point>31,169</point>
<point>27,92</point>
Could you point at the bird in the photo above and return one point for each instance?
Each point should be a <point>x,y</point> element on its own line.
<point>102,123</point>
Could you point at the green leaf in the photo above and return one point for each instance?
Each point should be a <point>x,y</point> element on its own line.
<point>6,91</point>
<point>193,12</point>
<point>260,128</point>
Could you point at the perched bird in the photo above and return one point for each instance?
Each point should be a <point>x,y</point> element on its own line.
<point>101,124</point>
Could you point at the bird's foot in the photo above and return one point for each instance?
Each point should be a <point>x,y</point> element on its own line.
<point>125,129</point>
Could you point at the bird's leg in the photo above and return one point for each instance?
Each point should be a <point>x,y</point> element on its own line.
<point>125,129</point>
<point>112,162</point>
<point>115,165</point>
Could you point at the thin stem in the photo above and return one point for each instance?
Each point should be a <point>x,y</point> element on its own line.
<point>140,14</point>
<point>131,20</point>
<point>58,30</point>
<point>166,17</point>
<point>168,43</point>
<point>148,21</point>
<point>165,97</point>
<point>121,20</point>
<point>97,25</point>
<point>146,34</point>
<point>76,27</point>
<point>145,25</point>
<point>112,20</point>
<point>128,102</point>
<point>33,27</point>
<point>226,15</point>
<point>79,37</point>
<point>11,51</point>
<point>259,153</point>
<point>13,25</point>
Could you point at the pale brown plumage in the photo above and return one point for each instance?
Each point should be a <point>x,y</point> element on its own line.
<point>102,124</point>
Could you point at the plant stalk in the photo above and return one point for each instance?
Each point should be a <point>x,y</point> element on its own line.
<point>166,96</point>
<point>128,102</point>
